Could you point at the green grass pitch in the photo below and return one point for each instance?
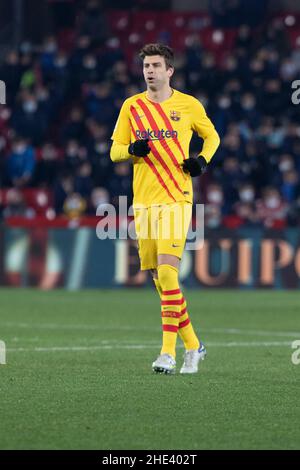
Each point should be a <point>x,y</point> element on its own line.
<point>78,372</point>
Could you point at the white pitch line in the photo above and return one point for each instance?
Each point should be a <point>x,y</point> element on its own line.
<point>237,331</point>
<point>229,331</point>
<point>144,346</point>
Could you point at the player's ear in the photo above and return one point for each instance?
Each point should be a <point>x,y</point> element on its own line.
<point>170,71</point>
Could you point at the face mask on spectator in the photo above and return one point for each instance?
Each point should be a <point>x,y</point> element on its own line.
<point>224,102</point>
<point>60,62</point>
<point>215,197</point>
<point>213,223</point>
<point>30,106</point>
<point>20,148</point>
<point>90,64</point>
<point>272,202</point>
<point>50,47</point>
<point>247,195</point>
<point>43,95</point>
<point>72,151</point>
<point>100,200</point>
<point>247,105</point>
<point>286,165</point>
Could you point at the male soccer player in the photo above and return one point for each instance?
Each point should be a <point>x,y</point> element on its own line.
<point>154,129</point>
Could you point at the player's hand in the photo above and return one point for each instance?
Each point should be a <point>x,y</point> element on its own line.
<point>195,166</point>
<point>139,148</point>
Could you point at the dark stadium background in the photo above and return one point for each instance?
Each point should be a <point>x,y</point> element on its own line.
<point>68,66</point>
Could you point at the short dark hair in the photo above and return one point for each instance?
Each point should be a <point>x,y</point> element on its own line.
<point>159,49</point>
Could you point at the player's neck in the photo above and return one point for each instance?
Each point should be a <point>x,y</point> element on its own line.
<point>160,95</point>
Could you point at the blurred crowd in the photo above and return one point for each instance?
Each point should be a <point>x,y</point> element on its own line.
<point>62,105</point>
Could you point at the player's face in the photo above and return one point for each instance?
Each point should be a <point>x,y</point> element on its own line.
<point>156,74</point>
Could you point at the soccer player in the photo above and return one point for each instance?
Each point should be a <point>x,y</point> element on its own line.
<point>154,130</point>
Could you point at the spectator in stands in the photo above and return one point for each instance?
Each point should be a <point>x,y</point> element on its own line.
<point>21,163</point>
<point>248,110</point>
<point>94,22</point>
<point>74,156</point>
<point>100,103</point>
<point>5,136</point>
<point>98,149</point>
<point>64,186</point>
<point>47,165</point>
<point>29,120</point>
<point>290,188</point>
<point>47,56</point>
<point>82,47</point>
<point>59,74</point>
<point>245,208</point>
<point>15,205</point>
<point>88,70</point>
<point>120,183</point>
<point>11,74</point>
<point>121,77</point>
<point>213,209</point>
<point>230,178</point>
<point>222,113</point>
<point>74,127</point>
<point>244,38</point>
<point>280,165</point>
<point>74,206</point>
<point>83,183</point>
<point>286,163</point>
<point>99,199</point>
<point>272,209</point>
<point>273,97</point>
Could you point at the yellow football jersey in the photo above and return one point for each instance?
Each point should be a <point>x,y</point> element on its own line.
<point>169,125</point>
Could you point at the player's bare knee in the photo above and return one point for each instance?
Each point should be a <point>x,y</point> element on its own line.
<point>168,259</point>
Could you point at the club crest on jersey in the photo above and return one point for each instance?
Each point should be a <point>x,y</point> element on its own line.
<point>175,115</point>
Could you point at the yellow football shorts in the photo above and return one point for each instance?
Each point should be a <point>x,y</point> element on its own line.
<point>161,230</point>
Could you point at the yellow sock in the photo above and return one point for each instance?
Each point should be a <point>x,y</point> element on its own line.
<point>171,304</point>
<point>157,285</point>
<point>185,328</point>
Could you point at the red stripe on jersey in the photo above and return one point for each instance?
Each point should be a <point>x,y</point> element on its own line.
<point>172,302</point>
<point>171,328</point>
<point>163,142</point>
<point>168,124</point>
<point>183,311</point>
<point>147,159</point>
<point>158,156</point>
<point>184,323</point>
<point>171,292</point>
<point>132,129</point>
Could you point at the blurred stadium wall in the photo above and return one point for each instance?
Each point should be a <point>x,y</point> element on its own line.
<point>75,258</point>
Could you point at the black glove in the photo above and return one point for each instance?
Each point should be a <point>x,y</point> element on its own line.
<point>195,165</point>
<point>139,148</point>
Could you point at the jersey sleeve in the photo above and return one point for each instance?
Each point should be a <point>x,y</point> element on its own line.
<point>205,129</point>
<point>121,133</point>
